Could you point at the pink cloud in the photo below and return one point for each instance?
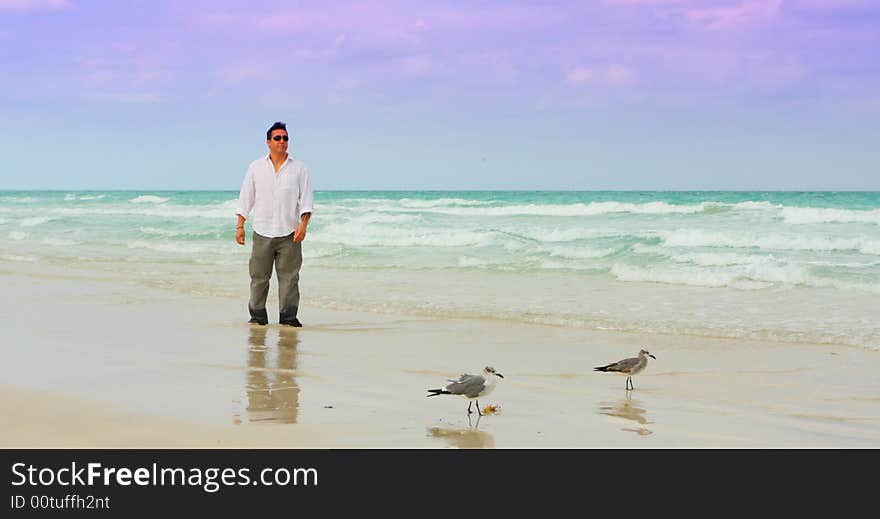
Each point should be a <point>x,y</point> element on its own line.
<point>579,75</point>
<point>34,5</point>
<point>239,72</point>
<point>834,5</point>
<point>614,74</point>
<point>645,3</point>
<point>496,67</point>
<point>388,20</point>
<point>131,70</point>
<point>620,75</point>
<point>417,66</point>
<point>126,97</point>
<point>744,15</point>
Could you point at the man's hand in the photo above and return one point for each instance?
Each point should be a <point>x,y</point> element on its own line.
<point>239,235</point>
<point>300,233</point>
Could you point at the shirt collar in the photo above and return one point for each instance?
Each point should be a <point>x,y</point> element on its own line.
<point>268,158</point>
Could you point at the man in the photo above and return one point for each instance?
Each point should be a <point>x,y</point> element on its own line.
<point>277,190</point>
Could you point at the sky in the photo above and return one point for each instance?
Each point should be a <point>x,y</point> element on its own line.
<point>443,95</point>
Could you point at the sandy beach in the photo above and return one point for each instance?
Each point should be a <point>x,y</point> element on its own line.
<point>96,361</point>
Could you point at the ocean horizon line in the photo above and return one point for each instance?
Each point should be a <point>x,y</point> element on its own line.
<point>129,190</point>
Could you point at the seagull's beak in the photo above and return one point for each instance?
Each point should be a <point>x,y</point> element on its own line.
<point>653,357</point>
<point>500,375</point>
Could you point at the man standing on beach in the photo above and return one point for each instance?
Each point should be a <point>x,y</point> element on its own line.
<point>278,190</point>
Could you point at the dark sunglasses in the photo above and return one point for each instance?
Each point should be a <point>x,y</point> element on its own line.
<point>279,137</point>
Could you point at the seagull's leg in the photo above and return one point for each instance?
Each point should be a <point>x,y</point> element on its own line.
<point>469,407</point>
<point>629,383</point>
<point>478,408</point>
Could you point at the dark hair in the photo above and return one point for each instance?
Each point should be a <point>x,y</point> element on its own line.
<point>279,125</point>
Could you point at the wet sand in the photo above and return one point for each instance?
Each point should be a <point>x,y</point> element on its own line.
<point>95,361</point>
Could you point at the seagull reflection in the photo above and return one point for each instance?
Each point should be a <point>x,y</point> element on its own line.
<point>272,392</point>
<point>470,438</point>
<point>628,409</point>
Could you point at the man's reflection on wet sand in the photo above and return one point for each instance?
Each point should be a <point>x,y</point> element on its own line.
<point>272,392</point>
<point>470,438</point>
<point>627,409</point>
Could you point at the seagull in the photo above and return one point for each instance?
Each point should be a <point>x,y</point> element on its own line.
<point>629,367</point>
<point>471,387</point>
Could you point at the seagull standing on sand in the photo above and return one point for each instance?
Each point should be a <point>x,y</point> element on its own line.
<point>471,387</point>
<point>629,367</point>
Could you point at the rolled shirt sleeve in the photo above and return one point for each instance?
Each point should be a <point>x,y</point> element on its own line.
<point>306,195</point>
<point>247,195</point>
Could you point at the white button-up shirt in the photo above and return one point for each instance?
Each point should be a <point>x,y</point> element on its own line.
<point>278,200</point>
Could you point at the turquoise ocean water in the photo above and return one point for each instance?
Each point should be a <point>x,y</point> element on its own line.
<point>783,266</point>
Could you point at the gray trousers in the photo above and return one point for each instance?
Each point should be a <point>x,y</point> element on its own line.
<point>286,255</point>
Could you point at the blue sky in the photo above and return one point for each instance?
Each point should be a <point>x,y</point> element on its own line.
<point>608,94</point>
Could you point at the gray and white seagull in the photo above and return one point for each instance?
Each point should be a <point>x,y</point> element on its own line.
<point>471,387</point>
<point>629,367</point>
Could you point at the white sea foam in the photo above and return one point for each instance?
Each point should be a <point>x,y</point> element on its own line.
<point>16,235</point>
<point>473,262</point>
<point>34,221</point>
<point>871,247</point>
<point>155,231</point>
<point>714,278</point>
<point>440,202</point>
<point>577,253</point>
<point>756,205</point>
<point>578,209</point>
<point>568,265</point>
<point>567,234</point>
<point>370,218</point>
<point>706,259</point>
<point>761,273</point>
<point>166,211</point>
<point>18,257</point>
<point>60,242</point>
<point>18,199</point>
<point>808,215</point>
<point>218,262</point>
<point>178,248</point>
<point>69,197</point>
<point>841,263</point>
<point>767,241</point>
<point>149,199</point>
<point>360,235</point>
<point>784,274</point>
